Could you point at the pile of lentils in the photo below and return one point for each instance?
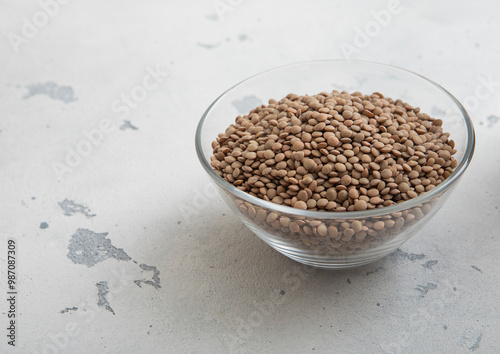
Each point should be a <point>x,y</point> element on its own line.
<point>335,152</point>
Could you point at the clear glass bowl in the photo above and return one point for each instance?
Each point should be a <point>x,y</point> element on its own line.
<point>336,239</point>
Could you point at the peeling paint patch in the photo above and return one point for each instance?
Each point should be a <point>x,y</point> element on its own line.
<point>492,120</point>
<point>51,89</point>
<point>89,248</point>
<point>436,111</point>
<point>242,37</point>
<point>70,208</point>
<point>208,46</point>
<point>212,17</point>
<point>127,125</point>
<point>425,289</point>
<point>429,264</point>
<point>476,343</point>
<point>410,256</point>
<point>102,292</point>
<point>246,104</point>
<point>156,277</point>
<point>374,271</point>
<point>68,309</point>
<point>471,338</point>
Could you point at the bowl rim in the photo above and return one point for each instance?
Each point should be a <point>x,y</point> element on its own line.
<point>414,202</point>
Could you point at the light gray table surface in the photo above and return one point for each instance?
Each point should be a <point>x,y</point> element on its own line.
<point>99,101</point>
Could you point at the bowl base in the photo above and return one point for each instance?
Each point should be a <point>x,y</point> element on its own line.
<point>314,259</point>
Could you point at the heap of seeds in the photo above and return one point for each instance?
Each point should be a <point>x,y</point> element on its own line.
<point>335,152</point>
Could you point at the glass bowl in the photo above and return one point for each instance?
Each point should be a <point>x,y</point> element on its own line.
<point>336,239</point>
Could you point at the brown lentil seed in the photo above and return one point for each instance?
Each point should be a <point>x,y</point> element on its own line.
<point>300,205</point>
<point>360,205</point>
<point>298,146</point>
<point>379,225</point>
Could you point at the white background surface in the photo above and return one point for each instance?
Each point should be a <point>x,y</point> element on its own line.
<point>222,289</point>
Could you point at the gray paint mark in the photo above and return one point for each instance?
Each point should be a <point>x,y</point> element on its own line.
<point>242,37</point>
<point>492,120</point>
<point>374,271</point>
<point>476,343</point>
<point>208,46</point>
<point>425,289</point>
<point>102,292</point>
<point>436,111</point>
<point>68,309</point>
<point>33,198</point>
<point>127,125</point>
<point>212,17</point>
<point>429,264</point>
<point>89,248</point>
<point>51,89</point>
<point>44,225</point>
<point>476,268</point>
<point>70,207</point>
<point>445,327</point>
<point>471,338</point>
<point>404,255</point>
<point>246,104</point>
<point>156,278</point>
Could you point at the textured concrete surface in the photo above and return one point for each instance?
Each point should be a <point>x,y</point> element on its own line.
<point>124,248</point>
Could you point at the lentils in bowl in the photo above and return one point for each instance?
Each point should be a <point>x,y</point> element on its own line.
<point>337,179</point>
<point>335,152</point>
